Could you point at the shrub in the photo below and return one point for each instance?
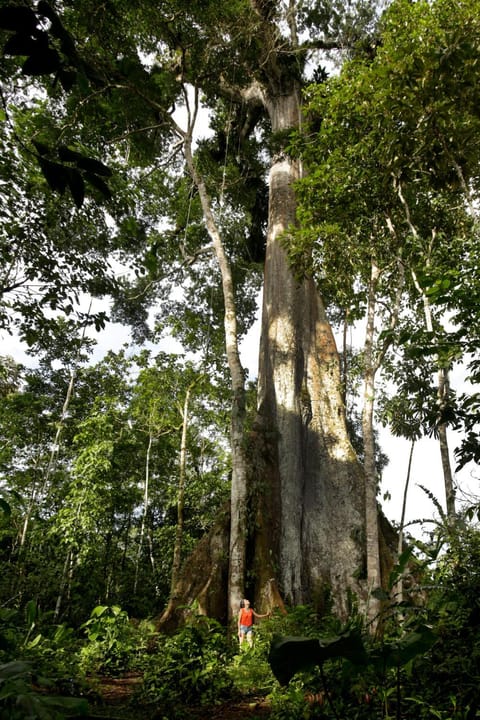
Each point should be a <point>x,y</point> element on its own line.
<point>189,667</point>
<point>113,644</point>
<point>23,696</point>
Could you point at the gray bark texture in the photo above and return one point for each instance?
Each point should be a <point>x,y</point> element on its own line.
<point>319,491</point>
<point>302,516</point>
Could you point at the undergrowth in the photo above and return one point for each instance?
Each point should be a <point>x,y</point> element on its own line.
<point>423,663</point>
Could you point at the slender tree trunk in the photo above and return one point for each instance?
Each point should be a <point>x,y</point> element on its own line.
<point>442,398</point>
<point>442,392</point>
<point>238,501</point>
<point>372,362</point>
<point>67,573</point>
<point>36,490</point>
<point>177,549</point>
<point>26,520</point>
<point>344,364</point>
<point>399,583</point>
<point>371,482</point>
<point>66,577</point>
<point>146,490</point>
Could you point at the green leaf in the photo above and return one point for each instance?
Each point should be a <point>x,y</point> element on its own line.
<point>33,643</point>
<point>99,610</point>
<point>400,567</point>
<point>55,174</point>
<point>99,184</point>
<point>70,706</point>
<point>77,186</point>
<point>380,594</point>
<point>289,655</point>
<point>31,612</point>
<point>401,652</point>
<point>84,162</point>
<point>94,166</point>
<point>5,507</point>
<point>14,669</point>
<point>41,147</point>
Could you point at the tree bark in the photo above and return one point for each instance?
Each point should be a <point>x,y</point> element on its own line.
<point>371,511</point>
<point>442,395</point>
<point>315,479</point>
<point>238,503</point>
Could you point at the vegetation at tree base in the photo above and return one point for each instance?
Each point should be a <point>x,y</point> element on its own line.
<point>171,162</point>
<point>418,667</point>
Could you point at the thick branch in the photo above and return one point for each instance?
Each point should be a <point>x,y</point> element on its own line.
<point>252,94</point>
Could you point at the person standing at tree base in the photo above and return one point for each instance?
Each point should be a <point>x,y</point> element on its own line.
<point>246,617</point>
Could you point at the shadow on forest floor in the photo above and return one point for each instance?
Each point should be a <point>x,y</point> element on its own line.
<point>116,694</point>
<point>247,709</point>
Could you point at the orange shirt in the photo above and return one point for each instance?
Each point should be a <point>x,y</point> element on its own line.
<point>246,616</point>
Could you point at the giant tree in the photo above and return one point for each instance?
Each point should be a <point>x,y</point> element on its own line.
<point>386,198</point>
<point>306,494</point>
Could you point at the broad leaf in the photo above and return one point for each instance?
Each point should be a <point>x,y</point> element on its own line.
<point>289,655</point>
<point>20,44</point>
<point>55,174</point>
<point>18,18</point>
<point>42,62</point>
<point>77,186</point>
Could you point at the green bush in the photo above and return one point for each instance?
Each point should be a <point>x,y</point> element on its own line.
<point>24,696</point>
<point>189,667</point>
<point>447,679</point>
<point>114,644</point>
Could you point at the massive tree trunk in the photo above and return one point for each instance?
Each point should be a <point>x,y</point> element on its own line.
<point>316,522</point>
<point>306,529</point>
<point>303,540</point>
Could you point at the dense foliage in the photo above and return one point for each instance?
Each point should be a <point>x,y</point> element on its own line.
<point>92,501</point>
<point>108,468</point>
<point>424,663</point>
<point>388,207</point>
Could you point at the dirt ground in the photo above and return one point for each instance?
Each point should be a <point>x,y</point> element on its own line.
<point>251,710</point>
<point>117,692</point>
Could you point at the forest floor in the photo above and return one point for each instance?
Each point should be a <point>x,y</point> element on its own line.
<point>117,693</point>
<point>251,709</point>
